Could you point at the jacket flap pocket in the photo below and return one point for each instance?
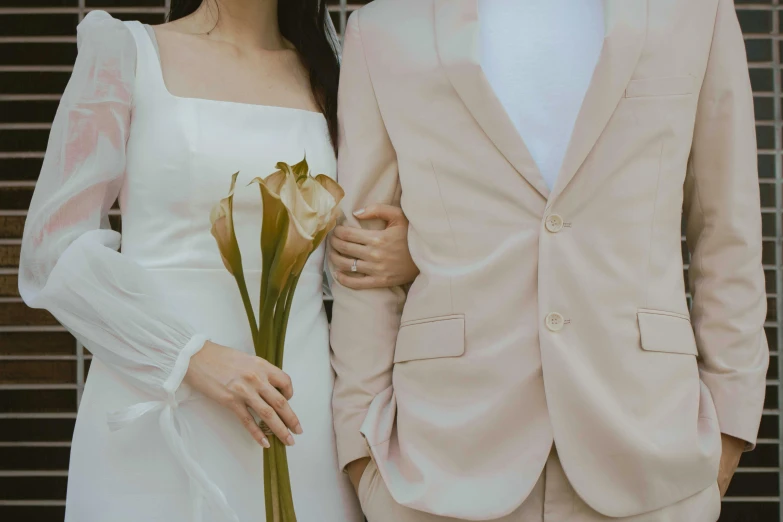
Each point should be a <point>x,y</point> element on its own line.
<point>671,86</point>
<point>666,332</point>
<point>431,339</point>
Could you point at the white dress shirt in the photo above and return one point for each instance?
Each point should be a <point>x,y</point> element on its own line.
<point>539,57</point>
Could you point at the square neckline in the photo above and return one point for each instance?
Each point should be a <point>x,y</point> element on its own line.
<point>151,36</point>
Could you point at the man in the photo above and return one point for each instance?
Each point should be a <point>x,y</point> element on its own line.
<point>544,366</point>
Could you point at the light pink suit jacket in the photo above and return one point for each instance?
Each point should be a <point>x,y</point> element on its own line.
<point>552,316</point>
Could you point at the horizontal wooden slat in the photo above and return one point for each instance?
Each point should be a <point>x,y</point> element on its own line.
<point>37,401</point>
<point>11,227</point>
<point>34,458</point>
<point>17,314</point>
<point>15,198</point>
<point>37,343</point>
<point>36,430</point>
<point>23,140</point>
<point>771,399</point>
<point>32,488</point>
<point>9,256</point>
<point>37,372</point>
<point>38,24</point>
<point>33,82</point>
<point>750,512</point>
<point>754,485</point>
<point>769,428</point>
<point>9,286</point>
<point>764,456</point>
<point>20,169</point>
<point>14,111</point>
<point>32,513</point>
<point>26,54</point>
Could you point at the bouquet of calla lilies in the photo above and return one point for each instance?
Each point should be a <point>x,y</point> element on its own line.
<point>299,210</point>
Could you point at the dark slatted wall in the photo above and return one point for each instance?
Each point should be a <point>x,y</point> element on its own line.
<point>42,367</point>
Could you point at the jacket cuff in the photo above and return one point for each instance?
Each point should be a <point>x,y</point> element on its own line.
<point>351,444</point>
<point>739,403</point>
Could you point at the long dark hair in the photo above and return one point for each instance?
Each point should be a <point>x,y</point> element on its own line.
<point>303,23</point>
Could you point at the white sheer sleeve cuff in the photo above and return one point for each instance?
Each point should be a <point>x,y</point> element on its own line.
<point>204,488</point>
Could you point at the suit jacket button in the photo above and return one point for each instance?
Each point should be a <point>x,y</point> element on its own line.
<point>554,322</point>
<point>554,223</point>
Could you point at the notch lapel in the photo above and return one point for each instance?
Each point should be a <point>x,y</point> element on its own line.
<point>457,37</point>
<point>626,24</point>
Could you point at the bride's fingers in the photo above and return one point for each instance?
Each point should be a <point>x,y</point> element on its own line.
<point>250,424</point>
<point>345,264</point>
<point>353,250</point>
<point>275,399</point>
<point>361,282</point>
<point>355,235</point>
<point>268,414</point>
<point>280,380</point>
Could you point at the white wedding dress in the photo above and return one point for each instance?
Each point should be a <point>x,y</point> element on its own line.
<point>145,447</point>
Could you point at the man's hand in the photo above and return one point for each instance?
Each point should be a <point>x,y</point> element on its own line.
<point>729,460</point>
<point>355,470</point>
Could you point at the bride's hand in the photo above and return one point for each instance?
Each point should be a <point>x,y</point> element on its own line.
<point>239,382</point>
<point>382,257</point>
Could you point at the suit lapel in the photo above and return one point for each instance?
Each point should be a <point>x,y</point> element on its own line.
<point>457,33</point>
<point>626,22</point>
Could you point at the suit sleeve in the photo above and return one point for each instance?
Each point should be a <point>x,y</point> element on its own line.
<point>364,323</point>
<point>724,236</point>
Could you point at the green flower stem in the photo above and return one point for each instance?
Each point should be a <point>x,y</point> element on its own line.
<point>268,501</point>
<point>272,488</point>
<point>284,483</point>
<point>285,307</point>
<point>239,275</point>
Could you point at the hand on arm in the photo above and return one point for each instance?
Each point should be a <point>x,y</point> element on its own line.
<point>382,257</point>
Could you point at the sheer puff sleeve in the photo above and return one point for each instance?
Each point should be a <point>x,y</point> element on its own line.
<point>70,264</point>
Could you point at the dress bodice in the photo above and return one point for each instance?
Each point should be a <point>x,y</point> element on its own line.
<point>181,154</point>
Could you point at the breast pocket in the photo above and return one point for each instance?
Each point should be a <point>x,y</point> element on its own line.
<point>662,86</point>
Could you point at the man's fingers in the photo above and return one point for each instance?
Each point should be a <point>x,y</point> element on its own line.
<point>389,213</point>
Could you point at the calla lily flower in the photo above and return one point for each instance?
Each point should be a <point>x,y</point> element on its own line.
<point>302,209</point>
<point>222,220</point>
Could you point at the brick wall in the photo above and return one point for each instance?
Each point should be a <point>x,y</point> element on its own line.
<point>42,367</point>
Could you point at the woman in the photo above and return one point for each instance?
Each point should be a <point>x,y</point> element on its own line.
<point>160,118</point>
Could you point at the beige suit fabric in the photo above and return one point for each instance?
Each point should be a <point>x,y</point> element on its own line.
<point>552,500</point>
<point>559,317</point>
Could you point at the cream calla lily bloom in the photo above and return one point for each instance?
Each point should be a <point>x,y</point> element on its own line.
<point>222,220</point>
<point>302,209</point>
